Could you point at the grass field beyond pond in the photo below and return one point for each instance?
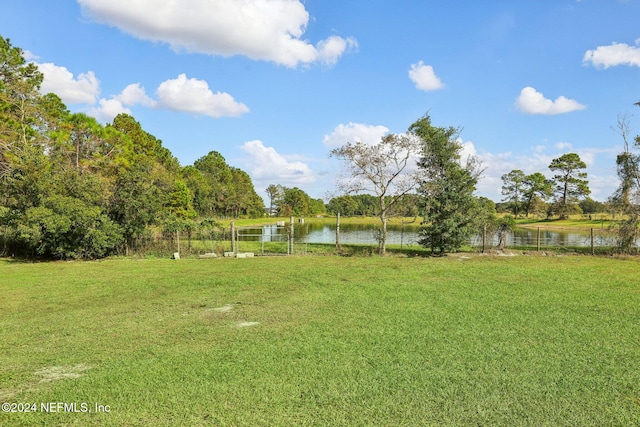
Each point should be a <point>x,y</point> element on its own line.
<point>468,340</point>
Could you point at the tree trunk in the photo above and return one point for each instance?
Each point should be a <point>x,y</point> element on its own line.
<point>383,236</point>
<point>502,237</point>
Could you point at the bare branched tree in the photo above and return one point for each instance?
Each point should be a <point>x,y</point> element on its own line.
<point>385,169</point>
<point>627,196</point>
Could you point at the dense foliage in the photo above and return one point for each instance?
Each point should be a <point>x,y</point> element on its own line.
<point>285,201</point>
<point>448,186</point>
<point>367,205</point>
<point>71,187</point>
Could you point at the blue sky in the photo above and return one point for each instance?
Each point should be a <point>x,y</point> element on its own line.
<point>273,85</point>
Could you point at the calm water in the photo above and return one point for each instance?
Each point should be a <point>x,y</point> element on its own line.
<point>408,235</point>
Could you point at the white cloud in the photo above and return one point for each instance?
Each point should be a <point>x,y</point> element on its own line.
<point>468,150</point>
<point>59,80</point>
<point>563,146</point>
<point>269,30</point>
<point>107,109</point>
<point>194,96</point>
<point>614,54</point>
<point>267,166</point>
<point>424,77</point>
<point>134,94</point>
<point>29,56</point>
<point>531,101</point>
<point>331,49</point>
<point>354,132</point>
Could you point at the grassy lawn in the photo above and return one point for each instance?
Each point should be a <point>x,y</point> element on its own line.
<point>323,340</point>
<point>598,222</point>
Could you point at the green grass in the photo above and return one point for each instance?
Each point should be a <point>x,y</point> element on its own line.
<point>575,222</point>
<point>340,341</point>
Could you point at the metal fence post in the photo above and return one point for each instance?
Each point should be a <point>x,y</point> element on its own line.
<point>338,231</point>
<point>233,237</point>
<point>291,237</point>
<point>484,238</point>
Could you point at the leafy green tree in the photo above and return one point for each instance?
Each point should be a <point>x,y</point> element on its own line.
<point>535,188</point>
<point>136,201</point>
<point>447,187</point>
<point>72,188</point>
<point>317,207</point>
<point>85,140</point>
<point>243,199</point>
<point>200,190</point>
<point>486,219</point>
<point>297,200</point>
<point>20,120</point>
<point>65,227</point>
<point>276,196</point>
<point>144,144</point>
<point>343,205</point>
<point>590,206</point>
<point>512,187</point>
<point>217,174</point>
<point>570,183</point>
<point>180,201</point>
<point>407,206</point>
<point>23,163</point>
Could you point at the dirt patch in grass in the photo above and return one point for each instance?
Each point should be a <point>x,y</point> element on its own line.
<point>54,373</point>
<point>224,308</point>
<point>247,324</point>
<point>46,375</point>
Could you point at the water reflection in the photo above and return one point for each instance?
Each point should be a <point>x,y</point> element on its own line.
<point>409,235</point>
<point>356,234</point>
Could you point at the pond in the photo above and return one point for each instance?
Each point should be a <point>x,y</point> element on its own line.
<point>409,235</point>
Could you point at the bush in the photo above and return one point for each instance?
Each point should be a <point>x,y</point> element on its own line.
<point>67,228</point>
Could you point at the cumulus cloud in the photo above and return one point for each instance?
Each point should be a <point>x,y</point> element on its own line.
<point>269,30</point>
<point>468,150</point>
<point>180,94</point>
<point>531,101</point>
<point>424,77</point>
<point>266,165</point>
<point>330,50</point>
<point>354,132</point>
<point>133,94</point>
<point>107,109</point>
<point>83,89</point>
<point>563,145</point>
<point>194,96</point>
<point>614,54</point>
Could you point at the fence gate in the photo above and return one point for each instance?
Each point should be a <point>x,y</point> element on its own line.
<point>263,240</point>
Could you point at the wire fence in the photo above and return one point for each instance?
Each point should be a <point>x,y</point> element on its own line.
<point>300,238</point>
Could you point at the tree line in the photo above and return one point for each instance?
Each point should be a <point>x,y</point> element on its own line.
<point>71,187</point>
<point>560,195</point>
<point>285,201</point>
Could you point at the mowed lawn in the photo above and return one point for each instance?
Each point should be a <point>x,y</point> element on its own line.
<point>327,341</point>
